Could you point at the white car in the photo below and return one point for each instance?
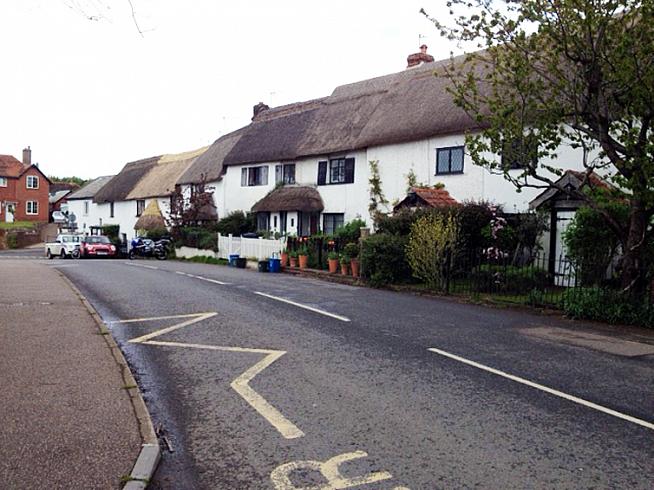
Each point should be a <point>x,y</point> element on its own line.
<point>65,245</point>
<point>59,217</point>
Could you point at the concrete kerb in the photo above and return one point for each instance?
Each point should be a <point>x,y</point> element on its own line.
<point>150,454</point>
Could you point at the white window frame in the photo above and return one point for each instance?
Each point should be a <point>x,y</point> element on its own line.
<point>32,211</point>
<point>32,178</point>
<point>3,181</point>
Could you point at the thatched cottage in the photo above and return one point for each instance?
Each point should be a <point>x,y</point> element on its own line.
<point>320,150</point>
<point>122,199</point>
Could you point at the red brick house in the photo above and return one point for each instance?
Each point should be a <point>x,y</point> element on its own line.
<point>24,190</point>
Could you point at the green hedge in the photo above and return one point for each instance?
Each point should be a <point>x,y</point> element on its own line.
<point>607,306</point>
<point>197,237</point>
<point>509,279</point>
<point>383,259</point>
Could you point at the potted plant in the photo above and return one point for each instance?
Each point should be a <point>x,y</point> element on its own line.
<point>352,251</point>
<point>303,257</point>
<point>345,260</point>
<point>332,261</point>
<point>292,257</point>
<point>284,257</point>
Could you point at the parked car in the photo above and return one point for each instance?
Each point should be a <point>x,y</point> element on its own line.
<point>65,245</point>
<point>97,246</point>
<point>59,217</point>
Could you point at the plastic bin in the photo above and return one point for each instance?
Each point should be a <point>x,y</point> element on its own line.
<point>232,259</point>
<point>263,266</point>
<point>275,264</point>
<point>241,262</point>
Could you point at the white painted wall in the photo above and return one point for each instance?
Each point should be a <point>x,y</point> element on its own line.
<point>395,163</point>
<point>476,183</point>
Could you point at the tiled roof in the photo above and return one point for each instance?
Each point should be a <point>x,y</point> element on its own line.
<point>11,167</point>
<point>434,197</point>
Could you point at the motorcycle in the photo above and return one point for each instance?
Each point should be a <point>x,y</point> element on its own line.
<point>145,247</point>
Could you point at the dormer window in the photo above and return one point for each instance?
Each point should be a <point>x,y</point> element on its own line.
<point>32,182</point>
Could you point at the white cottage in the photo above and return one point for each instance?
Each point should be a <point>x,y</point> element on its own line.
<point>406,122</point>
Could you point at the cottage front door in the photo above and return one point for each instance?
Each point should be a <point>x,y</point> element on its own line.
<point>10,209</point>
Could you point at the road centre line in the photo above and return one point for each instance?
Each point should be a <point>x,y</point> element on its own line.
<point>141,265</point>
<point>215,281</point>
<point>241,384</point>
<point>546,389</point>
<point>306,307</point>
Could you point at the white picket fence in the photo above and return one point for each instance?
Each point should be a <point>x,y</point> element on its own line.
<point>249,247</point>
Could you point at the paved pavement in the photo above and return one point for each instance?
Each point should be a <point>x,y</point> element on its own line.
<point>66,420</point>
<point>271,381</point>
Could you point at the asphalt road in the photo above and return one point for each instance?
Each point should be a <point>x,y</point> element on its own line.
<point>352,395</point>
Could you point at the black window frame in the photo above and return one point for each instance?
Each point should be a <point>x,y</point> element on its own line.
<point>325,171</point>
<point>449,150</point>
<point>111,209</point>
<point>140,208</point>
<point>332,217</point>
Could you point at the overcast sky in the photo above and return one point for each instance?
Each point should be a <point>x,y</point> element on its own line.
<point>88,93</point>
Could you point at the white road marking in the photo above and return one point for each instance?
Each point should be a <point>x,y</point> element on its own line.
<point>153,318</point>
<point>198,318</point>
<point>58,266</point>
<point>141,265</point>
<point>212,280</point>
<point>202,278</point>
<point>546,389</point>
<point>281,476</point>
<point>306,307</point>
<point>241,384</point>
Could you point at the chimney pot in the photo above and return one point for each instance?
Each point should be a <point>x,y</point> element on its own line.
<point>27,156</point>
<point>417,59</point>
<point>258,109</point>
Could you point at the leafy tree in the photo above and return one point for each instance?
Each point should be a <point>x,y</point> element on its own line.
<point>237,223</point>
<point>431,245</point>
<point>190,209</point>
<point>68,180</point>
<point>576,71</point>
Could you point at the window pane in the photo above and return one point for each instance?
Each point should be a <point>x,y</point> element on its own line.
<point>289,174</point>
<point>456,160</point>
<point>443,161</point>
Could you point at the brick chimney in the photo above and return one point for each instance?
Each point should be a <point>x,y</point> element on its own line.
<point>27,156</point>
<point>417,59</point>
<point>258,109</point>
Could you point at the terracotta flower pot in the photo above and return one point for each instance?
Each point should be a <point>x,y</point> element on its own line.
<point>293,261</point>
<point>304,259</point>
<point>284,259</point>
<point>344,268</point>
<point>333,265</point>
<point>354,265</point>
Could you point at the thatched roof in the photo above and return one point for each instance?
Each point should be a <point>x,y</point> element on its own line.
<point>405,106</point>
<point>209,165</point>
<point>151,219</point>
<point>290,198</point>
<point>161,178</point>
<point>123,183</point>
<point>90,189</point>
<point>149,177</point>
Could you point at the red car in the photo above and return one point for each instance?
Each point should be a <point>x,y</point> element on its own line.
<point>97,246</point>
